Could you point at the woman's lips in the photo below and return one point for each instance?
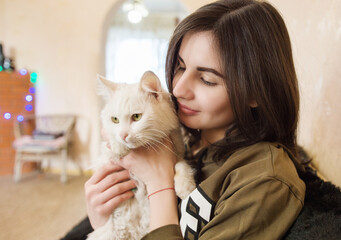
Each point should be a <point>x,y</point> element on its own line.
<point>186,110</point>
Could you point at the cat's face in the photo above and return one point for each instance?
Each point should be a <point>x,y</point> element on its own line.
<point>125,116</point>
<point>138,114</point>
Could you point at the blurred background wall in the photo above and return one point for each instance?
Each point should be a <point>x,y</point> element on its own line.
<point>64,42</point>
<point>315,31</point>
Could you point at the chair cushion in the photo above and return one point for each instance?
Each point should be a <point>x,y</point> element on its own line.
<point>41,135</point>
<point>28,143</point>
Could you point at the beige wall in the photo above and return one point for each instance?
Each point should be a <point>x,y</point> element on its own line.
<point>62,41</point>
<point>2,20</point>
<point>315,29</point>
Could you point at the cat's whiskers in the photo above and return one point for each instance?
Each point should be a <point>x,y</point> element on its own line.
<point>153,131</point>
<point>153,146</point>
<point>153,142</point>
<point>148,141</point>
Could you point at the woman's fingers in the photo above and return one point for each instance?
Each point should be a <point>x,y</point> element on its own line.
<point>110,176</point>
<point>105,190</point>
<point>112,179</point>
<point>107,201</point>
<point>113,203</point>
<point>117,190</point>
<point>103,171</point>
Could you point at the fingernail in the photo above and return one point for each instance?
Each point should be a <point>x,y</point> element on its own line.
<point>134,190</point>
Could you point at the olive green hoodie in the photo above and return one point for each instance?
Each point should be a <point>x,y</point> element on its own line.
<point>255,194</point>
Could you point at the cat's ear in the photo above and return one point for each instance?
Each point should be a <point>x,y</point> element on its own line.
<point>151,84</point>
<point>105,87</point>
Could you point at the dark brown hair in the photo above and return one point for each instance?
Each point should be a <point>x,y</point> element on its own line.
<point>256,57</point>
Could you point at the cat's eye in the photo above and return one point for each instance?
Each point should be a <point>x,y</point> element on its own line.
<point>136,116</point>
<point>115,120</point>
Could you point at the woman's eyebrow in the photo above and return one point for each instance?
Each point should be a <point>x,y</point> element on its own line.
<point>211,70</point>
<point>204,69</point>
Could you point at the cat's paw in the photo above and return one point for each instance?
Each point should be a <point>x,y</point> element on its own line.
<point>184,179</point>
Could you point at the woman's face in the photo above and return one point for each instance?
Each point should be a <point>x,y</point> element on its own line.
<point>198,86</point>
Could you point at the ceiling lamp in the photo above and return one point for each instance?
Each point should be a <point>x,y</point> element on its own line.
<point>135,10</point>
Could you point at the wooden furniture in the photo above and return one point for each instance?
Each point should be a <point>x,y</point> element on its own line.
<point>50,140</point>
<point>14,88</point>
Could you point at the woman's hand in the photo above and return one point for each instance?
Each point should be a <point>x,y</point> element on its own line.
<point>154,166</point>
<point>105,190</point>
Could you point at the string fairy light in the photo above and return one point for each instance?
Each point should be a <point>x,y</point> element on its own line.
<point>28,98</point>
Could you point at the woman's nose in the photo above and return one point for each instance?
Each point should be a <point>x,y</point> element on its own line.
<point>182,87</point>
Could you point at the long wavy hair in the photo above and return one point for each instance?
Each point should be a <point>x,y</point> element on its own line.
<point>256,56</point>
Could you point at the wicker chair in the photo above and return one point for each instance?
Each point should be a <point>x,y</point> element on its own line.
<point>40,138</point>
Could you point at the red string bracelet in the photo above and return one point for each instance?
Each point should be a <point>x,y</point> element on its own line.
<point>171,188</point>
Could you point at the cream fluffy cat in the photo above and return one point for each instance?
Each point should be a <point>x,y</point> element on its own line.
<point>135,115</point>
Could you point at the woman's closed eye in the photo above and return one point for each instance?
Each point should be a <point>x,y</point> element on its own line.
<point>208,83</point>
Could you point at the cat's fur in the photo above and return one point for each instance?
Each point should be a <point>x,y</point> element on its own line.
<point>159,121</point>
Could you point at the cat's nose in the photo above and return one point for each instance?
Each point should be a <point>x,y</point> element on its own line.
<point>124,136</point>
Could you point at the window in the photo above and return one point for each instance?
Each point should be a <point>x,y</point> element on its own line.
<point>132,49</point>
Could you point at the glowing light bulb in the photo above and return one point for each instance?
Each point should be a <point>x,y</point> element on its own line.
<point>23,71</point>
<point>7,116</point>
<point>134,16</point>
<point>28,107</point>
<point>20,118</point>
<point>28,98</point>
<point>32,90</point>
<point>33,77</point>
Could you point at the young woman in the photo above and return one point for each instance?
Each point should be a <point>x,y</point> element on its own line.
<point>231,72</point>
